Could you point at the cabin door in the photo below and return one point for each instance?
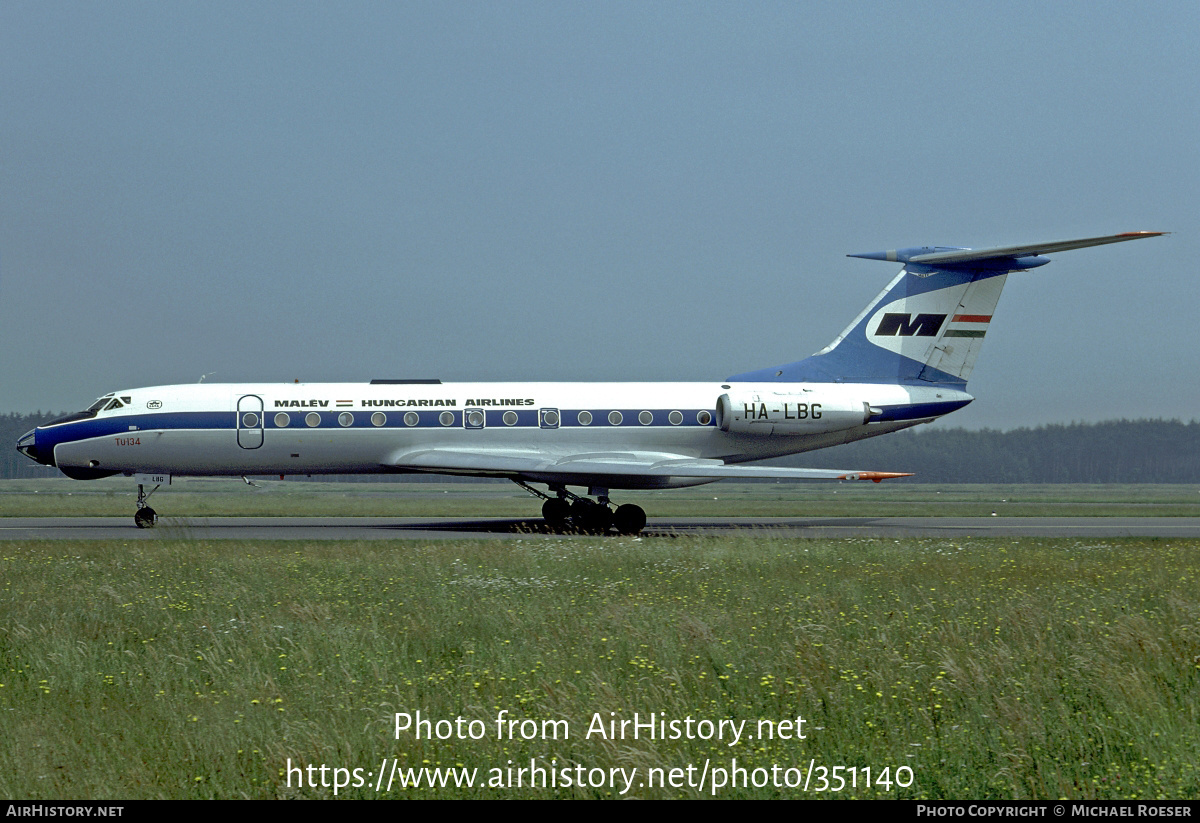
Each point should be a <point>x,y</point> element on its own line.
<point>250,421</point>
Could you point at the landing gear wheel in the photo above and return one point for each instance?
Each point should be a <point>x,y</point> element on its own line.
<point>556,511</point>
<point>579,510</point>
<point>144,518</point>
<point>590,517</point>
<point>597,519</point>
<point>629,519</point>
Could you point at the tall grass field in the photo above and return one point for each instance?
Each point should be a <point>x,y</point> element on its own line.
<point>748,666</point>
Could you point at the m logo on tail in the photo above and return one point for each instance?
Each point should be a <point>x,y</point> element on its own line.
<point>894,323</point>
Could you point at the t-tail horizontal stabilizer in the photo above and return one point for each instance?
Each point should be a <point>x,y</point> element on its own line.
<point>941,255</point>
<point>927,326</point>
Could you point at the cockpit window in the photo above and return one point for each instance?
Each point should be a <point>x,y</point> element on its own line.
<point>109,402</point>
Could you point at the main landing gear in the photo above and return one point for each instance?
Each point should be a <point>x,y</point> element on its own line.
<point>570,511</point>
<point>145,517</point>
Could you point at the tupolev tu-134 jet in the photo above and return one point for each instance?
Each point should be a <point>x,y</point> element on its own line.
<point>904,360</point>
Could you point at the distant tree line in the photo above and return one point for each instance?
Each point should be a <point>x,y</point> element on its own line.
<point>1118,451</point>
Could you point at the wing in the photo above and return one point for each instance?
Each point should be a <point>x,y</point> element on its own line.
<point>630,470</point>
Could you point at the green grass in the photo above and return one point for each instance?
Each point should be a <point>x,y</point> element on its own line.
<point>990,668</point>
<point>114,497</point>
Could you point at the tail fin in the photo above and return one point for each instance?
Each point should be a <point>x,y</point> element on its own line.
<point>928,324</point>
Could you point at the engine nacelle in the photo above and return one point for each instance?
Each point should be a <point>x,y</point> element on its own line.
<point>789,413</point>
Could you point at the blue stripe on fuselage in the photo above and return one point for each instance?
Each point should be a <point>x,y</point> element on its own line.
<point>132,424</point>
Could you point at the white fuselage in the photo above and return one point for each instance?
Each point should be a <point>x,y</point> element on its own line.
<point>231,429</point>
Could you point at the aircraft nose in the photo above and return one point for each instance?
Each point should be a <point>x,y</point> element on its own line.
<point>27,445</point>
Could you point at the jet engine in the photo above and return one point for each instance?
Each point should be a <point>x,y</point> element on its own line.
<point>789,413</point>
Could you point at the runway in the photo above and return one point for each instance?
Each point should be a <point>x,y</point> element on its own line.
<point>434,528</point>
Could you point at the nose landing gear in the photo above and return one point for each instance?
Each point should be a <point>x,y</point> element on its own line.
<point>145,517</point>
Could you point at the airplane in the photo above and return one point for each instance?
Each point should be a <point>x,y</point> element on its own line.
<point>904,360</point>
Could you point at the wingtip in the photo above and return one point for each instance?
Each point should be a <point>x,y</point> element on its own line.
<point>877,477</point>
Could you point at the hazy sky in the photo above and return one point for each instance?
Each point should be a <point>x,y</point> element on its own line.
<point>588,191</point>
